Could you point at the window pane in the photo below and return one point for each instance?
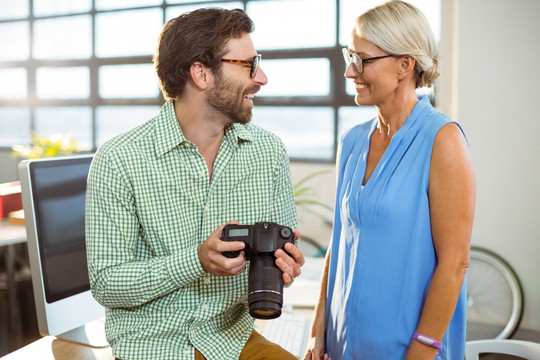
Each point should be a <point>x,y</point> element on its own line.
<point>128,33</point>
<point>73,121</point>
<point>288,77</point>
<point>13,9</point>
<point>293,28</point>
<point>63,83</point>
<point>14,41</point>
<point>14,126</point>
<point>13,83</point>
<point>113,120</point>
<point>120,4</point>
<point>175,11</point>
<point>308,132</point>
<point>61,7</point>
<point>350,116</point>
<point>351,9</point>
<point>128,81</point>
<point>63,38</point>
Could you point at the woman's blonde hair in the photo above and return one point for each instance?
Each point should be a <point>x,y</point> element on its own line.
<point>399,28</point>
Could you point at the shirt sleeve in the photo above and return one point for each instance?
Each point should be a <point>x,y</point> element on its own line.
<point>118,278</point>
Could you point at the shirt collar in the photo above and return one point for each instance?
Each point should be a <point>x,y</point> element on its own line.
<point>169,134</point>
<point>237,133</point>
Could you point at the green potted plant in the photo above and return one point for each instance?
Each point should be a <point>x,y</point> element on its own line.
<point>42,146</point>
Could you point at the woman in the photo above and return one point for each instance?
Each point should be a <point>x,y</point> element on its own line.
<point>394,281</point>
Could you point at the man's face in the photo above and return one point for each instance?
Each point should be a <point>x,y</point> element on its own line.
<point>233,90</point>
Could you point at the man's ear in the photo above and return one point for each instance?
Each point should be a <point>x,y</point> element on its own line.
<point>199,75</point>
<point>406,66</point>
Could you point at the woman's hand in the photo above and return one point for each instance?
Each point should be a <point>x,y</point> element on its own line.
<point>315,350</point>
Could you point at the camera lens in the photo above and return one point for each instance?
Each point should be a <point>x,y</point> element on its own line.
<point>265,288</point>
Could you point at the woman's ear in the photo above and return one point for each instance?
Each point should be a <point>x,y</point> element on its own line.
<point>199,74</point>
<point>407,64</point>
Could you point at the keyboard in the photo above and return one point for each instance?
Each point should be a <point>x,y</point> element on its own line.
<point>290,331</point>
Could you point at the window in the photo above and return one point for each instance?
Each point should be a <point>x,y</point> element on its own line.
<point>84,68</point>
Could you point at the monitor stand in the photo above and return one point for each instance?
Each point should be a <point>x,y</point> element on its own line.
<point>91,334</point>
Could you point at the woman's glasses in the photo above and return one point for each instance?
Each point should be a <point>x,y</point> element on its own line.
<point>357,61</point>
<point>253,64</point>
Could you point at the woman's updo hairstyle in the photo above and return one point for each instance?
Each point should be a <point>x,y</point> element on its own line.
<point>399,28</point>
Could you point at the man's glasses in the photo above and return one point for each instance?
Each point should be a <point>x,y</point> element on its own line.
<point>253,64</point>
<point>357,61</point>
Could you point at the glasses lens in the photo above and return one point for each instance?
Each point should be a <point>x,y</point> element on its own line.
<point>355,59</point>
<point>346,56</point>
<point>358,63</point>
<point>255,66</point>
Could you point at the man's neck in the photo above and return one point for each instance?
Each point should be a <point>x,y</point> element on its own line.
<point>203,127</point>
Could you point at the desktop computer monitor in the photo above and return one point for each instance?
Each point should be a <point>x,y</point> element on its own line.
<point>53,192</point>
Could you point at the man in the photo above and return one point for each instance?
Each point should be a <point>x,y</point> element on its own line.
<point>159,195</point>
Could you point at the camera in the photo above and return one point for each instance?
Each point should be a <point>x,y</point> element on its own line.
<point>265,289</point>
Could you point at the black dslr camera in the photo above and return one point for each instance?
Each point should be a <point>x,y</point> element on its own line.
<point>265,290</point>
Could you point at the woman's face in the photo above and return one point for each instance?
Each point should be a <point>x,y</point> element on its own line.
<point>379,80</point>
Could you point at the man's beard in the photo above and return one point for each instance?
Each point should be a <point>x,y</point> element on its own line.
<point>228,98</point>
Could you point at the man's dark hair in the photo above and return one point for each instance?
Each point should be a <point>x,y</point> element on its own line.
<point>197,36</point>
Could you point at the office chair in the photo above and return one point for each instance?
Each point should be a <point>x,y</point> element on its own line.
<point>524,349</point>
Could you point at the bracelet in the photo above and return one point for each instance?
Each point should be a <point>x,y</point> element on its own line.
<point>429,341</point>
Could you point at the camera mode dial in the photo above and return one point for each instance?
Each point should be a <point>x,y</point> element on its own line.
<point>285,232</point>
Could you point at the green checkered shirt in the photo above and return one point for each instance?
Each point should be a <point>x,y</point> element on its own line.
<point>149,204</point>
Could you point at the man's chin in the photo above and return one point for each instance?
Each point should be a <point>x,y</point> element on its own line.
<point>243,118</point>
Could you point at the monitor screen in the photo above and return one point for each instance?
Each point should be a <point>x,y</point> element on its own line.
<point>58,191</point>
<point>53,193</point>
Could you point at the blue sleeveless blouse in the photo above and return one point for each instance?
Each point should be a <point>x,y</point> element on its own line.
<point>383,257</point>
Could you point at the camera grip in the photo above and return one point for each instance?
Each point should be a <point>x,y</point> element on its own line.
<point>231,254</point>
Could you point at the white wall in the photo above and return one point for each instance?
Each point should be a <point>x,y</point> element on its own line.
<point>494,57</point>
<point>323,189</point>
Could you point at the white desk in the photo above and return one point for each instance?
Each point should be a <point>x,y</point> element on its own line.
<point>51,348</point>
<point>10,235</point>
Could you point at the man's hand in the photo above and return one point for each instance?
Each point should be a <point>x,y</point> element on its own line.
<point>212,259</point>
<point>290,261</point>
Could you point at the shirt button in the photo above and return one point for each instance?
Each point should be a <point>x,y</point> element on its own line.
<point>206,208</point>
<point>193,334</point>
<point>202,174</point>
<point>205,307</point>
<point>187,351</point>
<point>206,281</point>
